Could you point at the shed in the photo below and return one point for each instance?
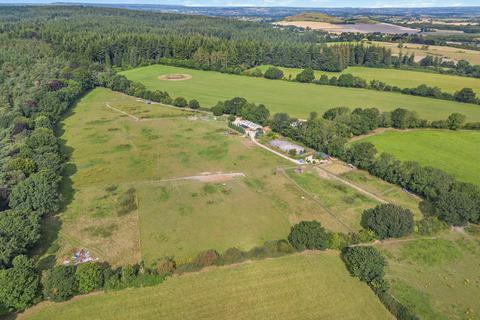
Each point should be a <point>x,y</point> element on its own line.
<point>286,146</point>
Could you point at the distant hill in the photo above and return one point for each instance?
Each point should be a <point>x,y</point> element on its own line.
<point>315,17</point>
<point>321,17</point>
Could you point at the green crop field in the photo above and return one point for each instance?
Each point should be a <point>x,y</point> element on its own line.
<point>311,286</point>
<point>437,278</point>
<point>297,99</point>
<point>399,78</point>
<point>455,152</point>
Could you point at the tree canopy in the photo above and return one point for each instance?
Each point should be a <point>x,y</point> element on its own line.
<point>388,221</point>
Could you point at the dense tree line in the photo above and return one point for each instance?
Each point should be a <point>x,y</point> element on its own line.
<point>122,38</point>
<point>37,86</point>
<point>453,201</point>
<point>242,108</point>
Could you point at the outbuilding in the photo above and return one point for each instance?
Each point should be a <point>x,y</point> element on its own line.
<point>286,146</point>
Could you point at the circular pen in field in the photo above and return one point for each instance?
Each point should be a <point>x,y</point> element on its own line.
<point>175,77</point>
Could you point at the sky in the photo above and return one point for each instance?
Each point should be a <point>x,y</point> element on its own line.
<point>273,3</point>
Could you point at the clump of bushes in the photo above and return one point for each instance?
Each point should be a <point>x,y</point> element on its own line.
<point>388,221</point>
<point>60,283</point>
<point>89,276</point>
<point>233,255</point>
<point>166,266</point>
<point>309,235</point>
<point>364,262</point>
<point>273,73</point>
<point>194,104</point>
<point>429,226</point>
<point>206,258</point>
<point>180,102</point>
<point>307,75</point>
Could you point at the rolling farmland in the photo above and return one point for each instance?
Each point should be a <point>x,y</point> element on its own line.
<point>297,99</point>
<point>399,78</point>
<point>309,286</point>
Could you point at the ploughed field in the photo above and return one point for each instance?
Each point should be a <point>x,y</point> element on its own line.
<point>297,99</point>
<point>399,78</point>
<point>307,286</point>
<point>455,152</point>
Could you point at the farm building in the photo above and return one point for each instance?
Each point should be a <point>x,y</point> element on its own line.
<point>248,125</point>
<point>322,155</point>
<point>286,146</point>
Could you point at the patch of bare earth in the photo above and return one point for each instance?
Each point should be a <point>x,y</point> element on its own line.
<point>175,77</point>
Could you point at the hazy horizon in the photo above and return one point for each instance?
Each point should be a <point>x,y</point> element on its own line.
<point>272,3</point>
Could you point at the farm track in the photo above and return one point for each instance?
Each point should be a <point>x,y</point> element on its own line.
<point>152,119</point>
<point>352,185</point>
<point>123,112</point>
<point>208,177</point>
<point>211,177</point>
<point>390,241</point>
<point>326,172</point>
<point>273,151</point>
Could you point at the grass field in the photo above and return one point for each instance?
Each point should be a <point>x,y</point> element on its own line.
<point>437,278</point>
<point>386,191</point>
<point>114,157</point>
<point>297,99</point>
<point>112,153</point>
<point>455,152</point>
<point>399,78</point>
<point>311,286</point>
<point>346,203</point>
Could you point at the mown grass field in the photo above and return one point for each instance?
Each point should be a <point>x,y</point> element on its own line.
<point>310,286</point>
<point>437,278</point>
<point>297,99</point>
<point>399,78</point>
<point>455,152</point>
